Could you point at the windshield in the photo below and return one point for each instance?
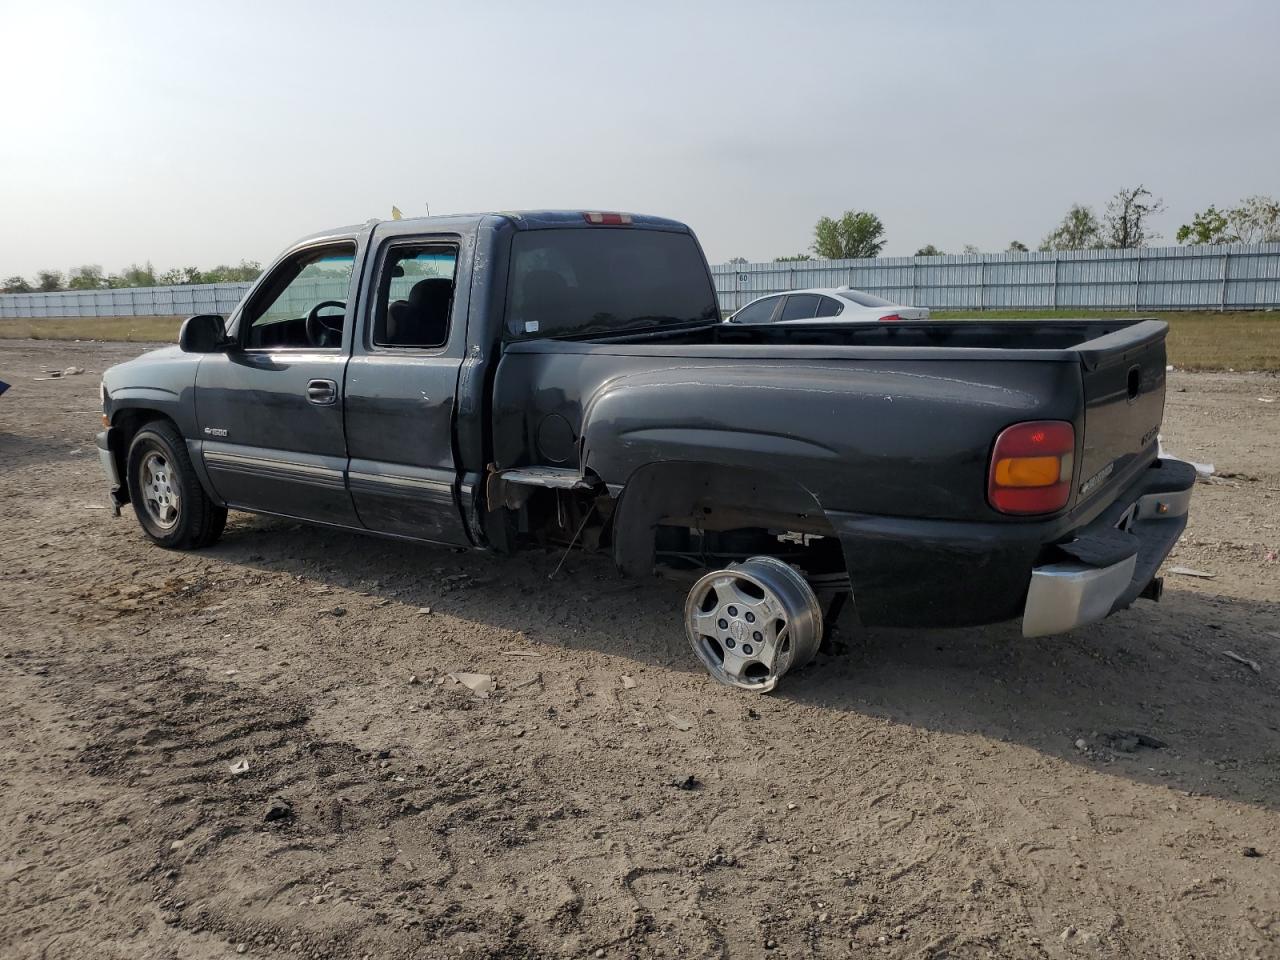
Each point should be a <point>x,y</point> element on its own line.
<point>864,299</point>
<point>573,282</point>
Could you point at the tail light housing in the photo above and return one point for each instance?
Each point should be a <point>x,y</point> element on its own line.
<point>889,318</point>
<point>1031,466</point>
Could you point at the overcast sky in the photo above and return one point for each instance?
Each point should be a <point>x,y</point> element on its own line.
<point>192,134</point>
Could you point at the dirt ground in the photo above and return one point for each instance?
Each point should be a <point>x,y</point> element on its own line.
<point>922,794</point>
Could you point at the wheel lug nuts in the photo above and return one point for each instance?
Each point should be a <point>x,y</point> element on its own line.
<point>723,623</point>
<point>733,611</point>
<point>746,648</point>
<point>757,636</point>
<point>751,617</point>
<point>729,642</point>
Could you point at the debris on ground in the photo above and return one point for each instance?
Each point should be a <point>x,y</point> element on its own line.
<point>628,683</point>
<point>424,611</point>
<point>1251,852</point>
<point>678,722</point>
<point>1203,470</point>
<point>278,809</point>
<point>1251,664</point>
<point>480,684</point>
<point>239,766</point>
<point>1189,572</point>
<point>689,783</point>
<point>1128,741</point>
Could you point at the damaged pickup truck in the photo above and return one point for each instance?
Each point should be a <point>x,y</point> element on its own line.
<point>563,378</point>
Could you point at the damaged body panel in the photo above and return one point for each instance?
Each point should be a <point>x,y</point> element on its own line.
<point>563,378</point>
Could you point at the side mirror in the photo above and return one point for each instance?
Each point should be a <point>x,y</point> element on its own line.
<point>203,333</point>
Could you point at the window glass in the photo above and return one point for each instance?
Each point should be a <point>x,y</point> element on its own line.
<point>759,312</point>
<point>829,307</point>
<point>864,299</point>
<point>415,296</point>
<point>277,316</point>
<point>800,306</point>
<point>579,281</point>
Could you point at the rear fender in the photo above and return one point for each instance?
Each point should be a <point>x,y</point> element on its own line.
<point>705,496</point>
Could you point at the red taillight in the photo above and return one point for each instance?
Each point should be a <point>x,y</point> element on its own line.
<point>608,219</point>
<point>1031,467</point>
<point>888,317</point>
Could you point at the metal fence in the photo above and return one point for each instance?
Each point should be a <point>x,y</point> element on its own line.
<point>1235,277</point>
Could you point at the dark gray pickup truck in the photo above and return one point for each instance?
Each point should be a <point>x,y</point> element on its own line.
<point>563,378</point>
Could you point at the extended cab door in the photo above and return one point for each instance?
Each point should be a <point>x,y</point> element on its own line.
<point>402,384</point>
<point>269,410</point>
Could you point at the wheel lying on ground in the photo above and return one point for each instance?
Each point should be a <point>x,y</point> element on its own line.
<point>752,622</point>
<point>171,506</point>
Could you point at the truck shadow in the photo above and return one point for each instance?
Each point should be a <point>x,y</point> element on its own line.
<point>1158,671</point>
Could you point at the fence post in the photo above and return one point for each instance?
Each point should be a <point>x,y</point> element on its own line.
<point>1053,289</point>
<point>1222,288</point>
<point>1137,278</point>
<point>982,284</point>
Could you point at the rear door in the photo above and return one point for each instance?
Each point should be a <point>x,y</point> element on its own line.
<point>269,410</point>
<point>402,383</point>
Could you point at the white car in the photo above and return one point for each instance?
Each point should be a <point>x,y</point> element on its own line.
<point>840,303</point>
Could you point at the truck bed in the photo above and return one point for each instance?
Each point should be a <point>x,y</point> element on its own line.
<point>1089,341</point>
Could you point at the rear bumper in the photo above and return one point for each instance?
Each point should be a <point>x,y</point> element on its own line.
<point>946,573</point>
<point>107,457</point>
<point>1071,593</point>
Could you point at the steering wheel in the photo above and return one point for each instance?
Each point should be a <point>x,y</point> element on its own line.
<point>321,331</point>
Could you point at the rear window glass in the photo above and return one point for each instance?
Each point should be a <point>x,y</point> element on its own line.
<point>865,299</point>
<point>574,282</point>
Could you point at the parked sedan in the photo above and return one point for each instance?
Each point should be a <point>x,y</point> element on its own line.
<point>841,303</point>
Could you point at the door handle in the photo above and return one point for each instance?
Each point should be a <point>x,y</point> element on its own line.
<point>322,392</point>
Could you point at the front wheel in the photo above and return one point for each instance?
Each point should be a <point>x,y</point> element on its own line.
<point>171,506</point>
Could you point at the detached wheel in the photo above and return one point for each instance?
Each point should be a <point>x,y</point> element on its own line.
<point>752,622</point>
<point>171,506</point>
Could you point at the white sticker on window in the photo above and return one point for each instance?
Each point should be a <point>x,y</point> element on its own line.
<point>531,326</point>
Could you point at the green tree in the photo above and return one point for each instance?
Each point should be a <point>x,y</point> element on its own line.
<point>1125,225</point>
<point>1079,230</point>
<point>86,277</point>
<point>1017,246</point>
<point>15,284</point>
<point>178,276</point>
<point>222,273</point>
<point>970,249</point>
<point>48,281</point>
<point>795,257</point>
<point>1256,219</point>
<point>857,234</point>
<point>135,276</point>
<point>929,250</point>
<point>1207,226</point>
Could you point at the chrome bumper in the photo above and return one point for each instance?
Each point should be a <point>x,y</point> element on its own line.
<point>1069,594</point>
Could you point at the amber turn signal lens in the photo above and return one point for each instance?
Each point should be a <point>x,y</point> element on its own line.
<point>1028,471</point>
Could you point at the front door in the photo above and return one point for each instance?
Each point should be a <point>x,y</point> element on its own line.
<point>402,383</point>
<point>269,411</point>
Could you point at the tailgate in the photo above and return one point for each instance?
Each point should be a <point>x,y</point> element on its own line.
<point>1124,377</point>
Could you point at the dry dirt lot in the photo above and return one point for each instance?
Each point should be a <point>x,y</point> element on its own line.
<point>920,794</point>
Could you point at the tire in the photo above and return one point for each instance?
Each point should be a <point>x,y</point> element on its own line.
<point>171,506</point>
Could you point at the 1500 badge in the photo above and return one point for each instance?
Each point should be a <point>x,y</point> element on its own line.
<point>215,431</point>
